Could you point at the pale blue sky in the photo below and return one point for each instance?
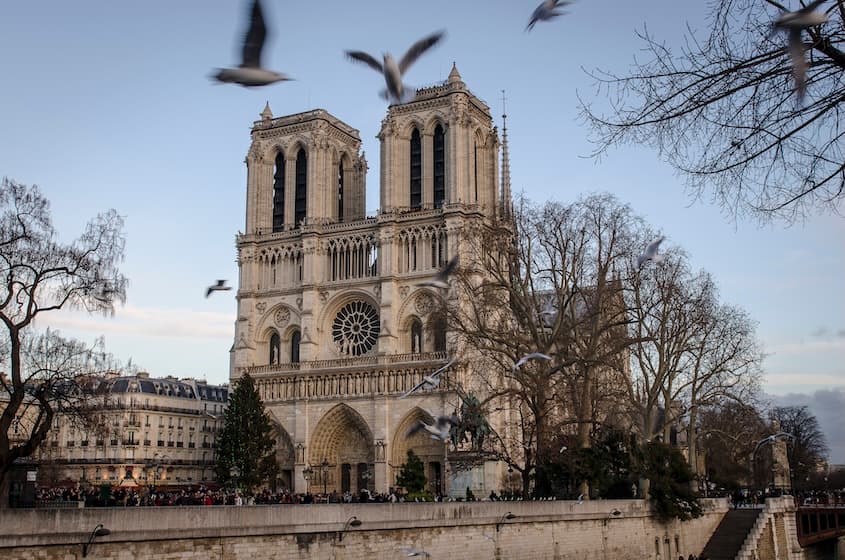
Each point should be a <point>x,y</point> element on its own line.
<point>107,103</point>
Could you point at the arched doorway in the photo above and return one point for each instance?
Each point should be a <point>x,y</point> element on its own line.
<point>341,454</point>
<point>285,458</point>
<point>431,452</point>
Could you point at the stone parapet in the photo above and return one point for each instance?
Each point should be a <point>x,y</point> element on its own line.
<point>606,529</point>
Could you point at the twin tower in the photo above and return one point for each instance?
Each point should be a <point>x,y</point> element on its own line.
<point>331,323</point>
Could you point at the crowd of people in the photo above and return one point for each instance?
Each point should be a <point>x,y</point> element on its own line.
<point>108,496</point>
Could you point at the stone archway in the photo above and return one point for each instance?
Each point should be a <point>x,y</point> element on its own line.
<point>285,459</point>
<point>431,452</point>
<point>343,442</point>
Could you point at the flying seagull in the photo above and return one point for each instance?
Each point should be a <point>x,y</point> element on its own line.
<point>430,381</point>
<point>392,71</point>
<point>250,73</point>
<point>546,11</point>
<point>650,253</point>
<point>794,23</point>
<point>439,430</point>
<point>410,551</point>
<point>441,280</point>
<point>220,286</point>
<point>532,356</point>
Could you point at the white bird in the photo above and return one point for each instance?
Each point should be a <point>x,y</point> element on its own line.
<point>220,286</point>
<point>439,430</point>
<point>411,551</point>
<point>580,498</point>
<point>394,71</point>
<point>250,73</point>
<point>441,280</point>
<point>794,23</point>
<point>546,11</point>
<point>650,253</point>
<point>430,381</point>
<point>532,356</point>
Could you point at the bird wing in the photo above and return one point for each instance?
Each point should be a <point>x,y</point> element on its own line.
<point>448,269</point>
<point>652,248</point>
<point>535,17</point>
<point>221,283</point>
<point>361,56</point>
<point>444,368</point>
<point>418,48</point>
<point>414,388</point>
<point>208,291</point>
<point>418,427</point>
<point>254,40</point>
<point>799,62</point>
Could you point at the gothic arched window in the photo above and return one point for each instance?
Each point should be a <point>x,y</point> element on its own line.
<point>340,191</point>
<point>416,337</point>
<point>300,196</point>
<point>438,328</point>
<point>279,193</point>
<point>439,166</point>
<point>294,347</point>
<point>274,348</point>
<point>416,170</point>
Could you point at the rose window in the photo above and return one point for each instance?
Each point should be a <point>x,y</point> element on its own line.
<point>355,329</point>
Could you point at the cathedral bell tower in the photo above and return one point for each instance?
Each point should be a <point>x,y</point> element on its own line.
<point>332,323</point>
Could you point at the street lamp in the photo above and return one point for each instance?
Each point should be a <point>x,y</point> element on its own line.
<point>99,531</point>
<point>307,473</point>
<point>505,518</point>
<point>324,469</point>
<point>235,473</point>
<point>351,522</point>
<point>768,440</point>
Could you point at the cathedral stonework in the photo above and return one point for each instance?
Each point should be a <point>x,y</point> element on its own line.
<point>332,324</point>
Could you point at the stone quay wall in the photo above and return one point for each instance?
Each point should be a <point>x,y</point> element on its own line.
<point>561,530</point>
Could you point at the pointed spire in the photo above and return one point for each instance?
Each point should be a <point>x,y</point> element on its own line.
<point>506,207</point>
<point>267,114</point>
<point>454,75</point>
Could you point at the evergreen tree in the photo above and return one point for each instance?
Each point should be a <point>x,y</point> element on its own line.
<point>246,453</point>
<point>412,475</point>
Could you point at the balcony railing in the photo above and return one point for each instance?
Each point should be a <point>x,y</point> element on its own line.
<point>374,375</point>
<point>345,363</point>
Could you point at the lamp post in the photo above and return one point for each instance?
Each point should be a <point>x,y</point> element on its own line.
<point>351,522</point>
<point>307,474</point>
<point>768,440</point>
<point>99,531</point>
<point>235,473</point>
<point>324,469</point>
<point>505,518</point>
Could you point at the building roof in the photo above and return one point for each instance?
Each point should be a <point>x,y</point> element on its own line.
<point>168,387</point>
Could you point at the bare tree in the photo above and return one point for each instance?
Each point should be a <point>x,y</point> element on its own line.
<point>808,450</point>
<point>723,111</point>
<point>546,283</point>
<point>39,274</point>
<point>663,305</point>
<point>725,365</point>
<point>729,431</point>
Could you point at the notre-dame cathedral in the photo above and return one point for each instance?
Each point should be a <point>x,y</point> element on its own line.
<point>331,323</point>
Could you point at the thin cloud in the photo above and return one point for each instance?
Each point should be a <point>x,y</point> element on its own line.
<point>148,321</point>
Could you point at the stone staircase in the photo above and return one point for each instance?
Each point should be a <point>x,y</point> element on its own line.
<point>731,533</point>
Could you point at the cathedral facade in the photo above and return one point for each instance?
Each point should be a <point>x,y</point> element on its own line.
<point>331,322</point>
